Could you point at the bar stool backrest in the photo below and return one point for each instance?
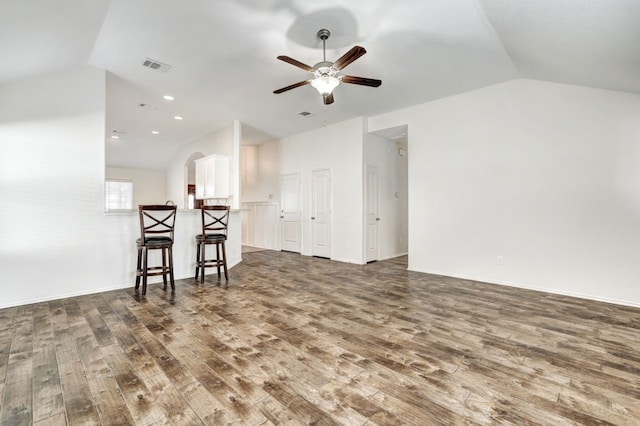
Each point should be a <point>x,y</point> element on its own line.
<point>157,221</point>
<point>215,220</point>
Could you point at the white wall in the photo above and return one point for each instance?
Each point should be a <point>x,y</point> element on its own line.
<point>392,193</point>
<point>250,173</point>
<point>260,173</point>
<point>339,148</point>
<point>52,185</point>
<point>269,162</point>
<point>148,185</point>
<point>545,175</point>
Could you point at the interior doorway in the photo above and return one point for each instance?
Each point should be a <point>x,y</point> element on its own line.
<point>386,194</point>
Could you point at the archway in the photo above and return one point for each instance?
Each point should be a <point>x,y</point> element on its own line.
<point>190,201</point>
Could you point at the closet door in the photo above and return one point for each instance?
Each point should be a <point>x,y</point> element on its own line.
<point>291,213</point>
<point>321,213</point>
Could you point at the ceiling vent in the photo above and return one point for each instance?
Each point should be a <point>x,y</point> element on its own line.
<point>305,113</point>
<point>155,65</point>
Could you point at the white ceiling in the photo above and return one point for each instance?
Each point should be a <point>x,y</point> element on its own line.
<point>224,67</point>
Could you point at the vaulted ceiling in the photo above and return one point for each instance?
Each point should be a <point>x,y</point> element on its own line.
<point>223,66</point>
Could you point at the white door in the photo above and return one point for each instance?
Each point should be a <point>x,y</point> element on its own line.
<point>321,213</point>
<point>291,213</point>
<point>372,219</point>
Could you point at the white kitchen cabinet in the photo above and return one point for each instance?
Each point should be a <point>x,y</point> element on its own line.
<point>212,177</point>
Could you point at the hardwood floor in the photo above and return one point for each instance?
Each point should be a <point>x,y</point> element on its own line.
<point>299,340</point>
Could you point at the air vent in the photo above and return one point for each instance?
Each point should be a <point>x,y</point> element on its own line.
<point>155,65</point>
<point>305,113</point>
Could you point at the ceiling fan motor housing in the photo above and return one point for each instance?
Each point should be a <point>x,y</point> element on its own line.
<point>324,68</point>
<point>324,34</point>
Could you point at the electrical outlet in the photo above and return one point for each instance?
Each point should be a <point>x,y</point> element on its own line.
<point>500,260</point>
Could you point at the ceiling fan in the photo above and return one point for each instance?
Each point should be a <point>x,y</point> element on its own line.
<point>325,73</point>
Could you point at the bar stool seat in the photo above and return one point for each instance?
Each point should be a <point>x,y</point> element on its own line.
<point>155,241</point>
<point>156,233</point>
<point>213,238</point>
<point>214,231</point>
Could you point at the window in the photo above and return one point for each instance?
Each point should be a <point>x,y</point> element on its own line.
<point>118,194</point>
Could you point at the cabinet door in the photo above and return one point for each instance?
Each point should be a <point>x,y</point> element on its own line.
<point>200,179</point>
<point>212,177</point>
<point>209,178</point>
<point>217,181</point>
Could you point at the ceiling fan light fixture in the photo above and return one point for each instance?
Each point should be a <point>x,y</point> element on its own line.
<point>325,84</point>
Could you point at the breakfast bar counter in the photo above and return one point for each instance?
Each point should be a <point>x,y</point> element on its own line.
<point>124,228</point>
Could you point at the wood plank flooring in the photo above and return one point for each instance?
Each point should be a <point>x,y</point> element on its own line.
<point>299,340</point>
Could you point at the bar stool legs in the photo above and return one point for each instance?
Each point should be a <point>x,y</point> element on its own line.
<point>143,270</point>
<point>197,258</point>
<point>156,233</point>
<point>219,262</point>
<point>214,231</point>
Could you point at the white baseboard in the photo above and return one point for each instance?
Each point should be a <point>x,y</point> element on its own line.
<point>156,280</point>
<point>534,288</point>
<point>392,256</point>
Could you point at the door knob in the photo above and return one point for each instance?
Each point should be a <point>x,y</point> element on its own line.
<point>377,218</point>
<point>281,217</point>
<point>313,218</point>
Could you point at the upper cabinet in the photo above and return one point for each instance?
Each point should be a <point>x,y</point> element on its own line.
<point>212,177</point>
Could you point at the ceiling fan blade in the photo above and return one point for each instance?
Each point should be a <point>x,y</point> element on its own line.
<point>293,86</point>
<point>295,63</point>
<point>328,99</point>
<point>350,56</point>
<point>372,82</point>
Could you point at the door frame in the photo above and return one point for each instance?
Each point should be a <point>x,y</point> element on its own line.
<point>365,211</point>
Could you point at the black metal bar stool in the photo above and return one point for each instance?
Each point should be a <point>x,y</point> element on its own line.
<point>214,231</point>
<point>156,233</point>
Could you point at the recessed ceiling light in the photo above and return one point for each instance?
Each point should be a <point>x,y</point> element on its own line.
<point>155,132</point>
<point>177,117</point>
<point>115,137</point>
<point>168,97</point>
